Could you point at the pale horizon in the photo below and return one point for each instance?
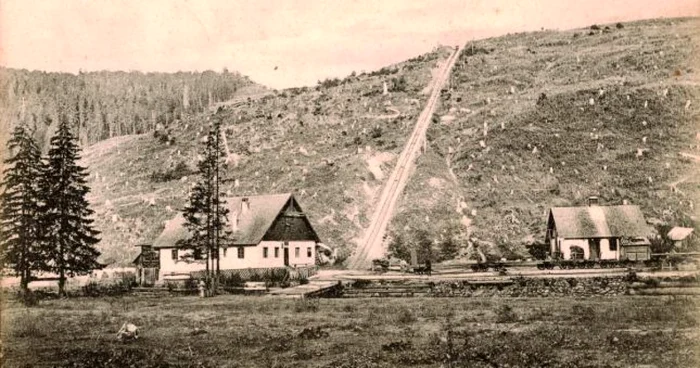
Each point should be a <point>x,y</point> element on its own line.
<point>279,45</point>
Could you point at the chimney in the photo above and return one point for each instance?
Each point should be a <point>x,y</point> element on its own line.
<point>245,205</point>
<point>592,201</point>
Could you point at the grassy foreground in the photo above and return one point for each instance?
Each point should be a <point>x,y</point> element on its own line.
<point>234,331</point>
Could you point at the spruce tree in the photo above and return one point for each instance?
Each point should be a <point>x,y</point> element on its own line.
<point>67,214</point>
<point>20,209</point>
<point>206,213</point>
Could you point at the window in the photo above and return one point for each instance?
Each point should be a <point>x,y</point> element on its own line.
<point>225,249</point>
<point>308,252</point>
<point>264,252</point>
<point>296,252</point>
<point>613,244</point>
<point>174,254</point>
<point>241,252</point>
<point>277,252</point>
<point>197,253</point>
<point>577,252</point>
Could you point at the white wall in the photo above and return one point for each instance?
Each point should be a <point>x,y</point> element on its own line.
<point>168,265</point>
<point>303,259</point>
<point>606,253</point>
<point>566,245</point>
<point>252,257</point>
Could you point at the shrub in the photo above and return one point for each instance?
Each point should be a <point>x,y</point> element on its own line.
<point>277,277</point>
<point>329,83</point>
<point>449,248</point>
<point>595,27</point>
<point>99,289</point>
<point>470,51</point>
<point>631,277</point>
<point>375,132</point>
<point>652,282</point>
<point>175,173</point>
<point>399,84</point>
<point>538,250</point>
<point>361,283</point>
<point>619,26</point>
<point>232,279</point>
<point>163,137</point>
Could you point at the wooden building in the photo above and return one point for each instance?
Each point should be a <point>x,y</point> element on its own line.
<point>147,265</point>
<point>597,232</point>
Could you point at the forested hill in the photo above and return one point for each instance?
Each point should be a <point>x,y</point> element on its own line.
<point>107,104</point>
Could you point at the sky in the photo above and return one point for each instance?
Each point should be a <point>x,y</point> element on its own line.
<point>279,43</point>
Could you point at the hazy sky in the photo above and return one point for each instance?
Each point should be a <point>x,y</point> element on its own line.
<point>306,40</point>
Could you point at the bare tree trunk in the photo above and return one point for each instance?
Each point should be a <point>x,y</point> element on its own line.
<point>61,272</point>
<point>216,212</point>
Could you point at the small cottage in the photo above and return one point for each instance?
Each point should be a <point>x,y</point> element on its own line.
<point>597,232</point>
<point>269,231</point>
<point>147,264</point>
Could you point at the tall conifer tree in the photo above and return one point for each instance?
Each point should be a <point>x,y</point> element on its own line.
<point>67,213</point>
<point>206,213</point>
<point>20,209</point>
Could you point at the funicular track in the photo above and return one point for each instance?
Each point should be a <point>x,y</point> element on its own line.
<point>372,244</point>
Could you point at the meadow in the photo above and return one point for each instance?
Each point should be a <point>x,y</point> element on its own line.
<point>251,331</point>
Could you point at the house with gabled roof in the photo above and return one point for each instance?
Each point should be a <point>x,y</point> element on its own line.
<point>269,231</point>
<point>597,232</point>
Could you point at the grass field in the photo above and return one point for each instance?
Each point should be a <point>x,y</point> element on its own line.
<point>235,331</point>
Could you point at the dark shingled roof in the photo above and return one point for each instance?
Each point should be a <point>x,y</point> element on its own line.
<point>252,224</point>
<point>599,222</point>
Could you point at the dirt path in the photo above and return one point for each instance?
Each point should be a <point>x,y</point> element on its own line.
<point>395,114</point>
<point>372,245</point>
<point>695,158</point>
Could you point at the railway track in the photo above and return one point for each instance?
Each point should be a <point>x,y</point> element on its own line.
<point>372,245</point>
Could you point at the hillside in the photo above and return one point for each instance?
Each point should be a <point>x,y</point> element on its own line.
<point>529,121</point>
<point>332,145</point>
<point>549,118</point>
